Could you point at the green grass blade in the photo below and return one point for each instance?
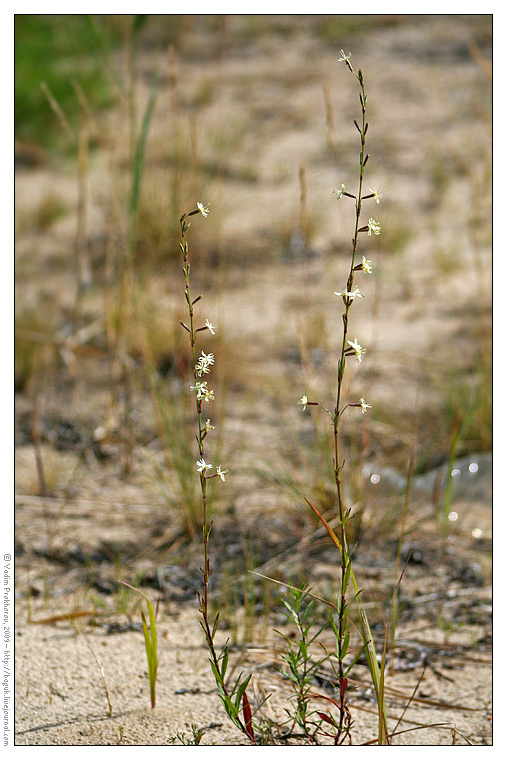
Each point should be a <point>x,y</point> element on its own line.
<point>373,665</point>
<point>150,642</point>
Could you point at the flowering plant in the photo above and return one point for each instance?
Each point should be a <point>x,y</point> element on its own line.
<point>350,348</point>
<point>233,699</point>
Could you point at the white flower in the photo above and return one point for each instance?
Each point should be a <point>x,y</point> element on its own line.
<point>203,209</point>
<point>221,473</point>
<point>339,193</point>
<point>356,293</point>
<point>210,327</point>
<point>201,391</point>
<point>364,405</point>
<point>366,265</point>
<point>202,466</point>
<point>204,363</point>
<point>303,401</point>
<point>208,426</point>
<point>373,226</point>
<point>344,57</point>
<point>358,350</point>
<point>200,388</point>
<point>377,194</point>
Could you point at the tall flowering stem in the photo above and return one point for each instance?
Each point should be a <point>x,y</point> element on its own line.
<point>233,699</point>
<point>198,403</point>
<point>348,296</point>
<point>349,348</point>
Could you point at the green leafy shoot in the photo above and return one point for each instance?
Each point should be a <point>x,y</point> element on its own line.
<point>150,642</point>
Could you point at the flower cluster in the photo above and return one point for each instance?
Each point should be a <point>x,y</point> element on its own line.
<point>372,226</point>
<point>354,349</point>
<point>350,294</point>
<point>204,363</point>
<point>202,467</point>
<point>202,391</point>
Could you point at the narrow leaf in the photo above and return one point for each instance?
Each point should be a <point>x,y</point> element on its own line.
<point>215,626</point>
<point>225,662</point>
<point>329,529</point>
<point>325,717</point>
<point>241,691</point>
<point>247,715</point>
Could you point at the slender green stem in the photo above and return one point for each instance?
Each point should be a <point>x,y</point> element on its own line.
<point>342,514</point>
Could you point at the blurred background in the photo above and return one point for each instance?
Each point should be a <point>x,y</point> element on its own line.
<point>125,122</point>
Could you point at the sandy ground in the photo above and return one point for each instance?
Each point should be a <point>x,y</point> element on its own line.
<point>429,91</point>
<point>61,696</point>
